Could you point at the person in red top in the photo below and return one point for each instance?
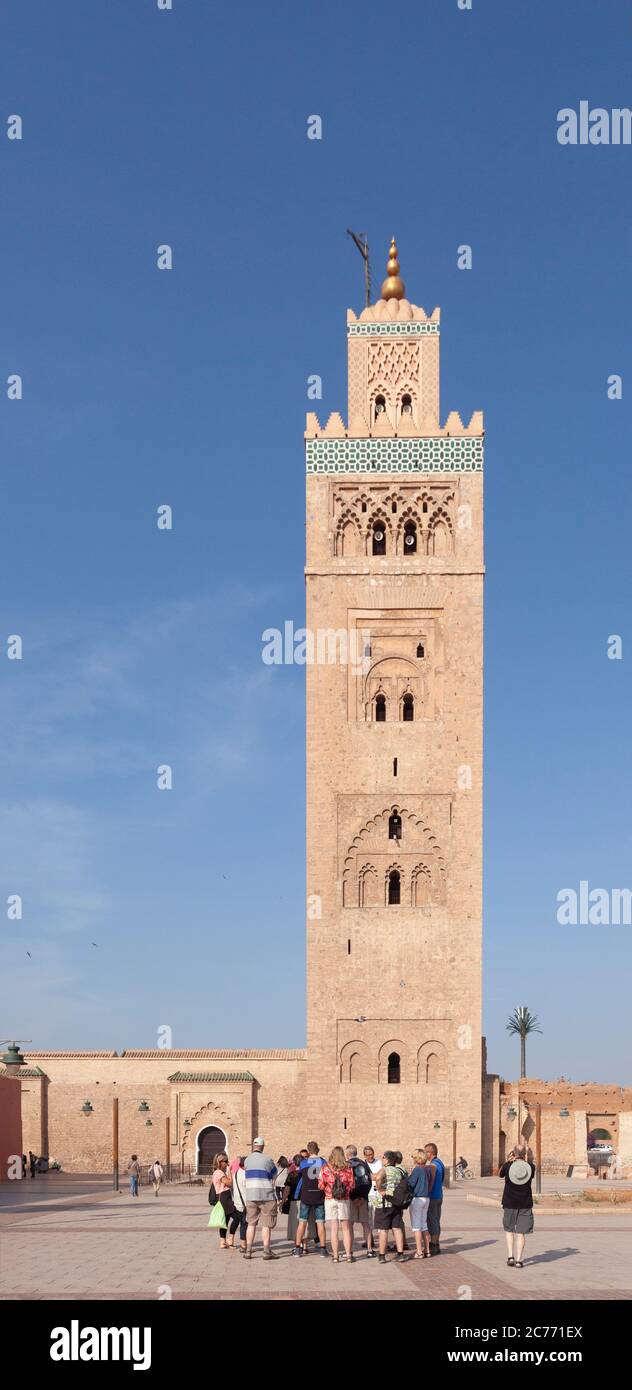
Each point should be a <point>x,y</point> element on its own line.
<point>336,1180</point>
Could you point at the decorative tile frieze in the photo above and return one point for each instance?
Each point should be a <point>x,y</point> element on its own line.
<point>437,455</point>
<point>409,329</point>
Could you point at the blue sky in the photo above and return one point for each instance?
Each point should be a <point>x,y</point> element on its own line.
<point>188,387</point>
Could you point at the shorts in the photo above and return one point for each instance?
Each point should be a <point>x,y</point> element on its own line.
<point>266,1210</point>
<point>388,1219</point>
<point>419,1214</point>
<point>518,1219</point>
<point>336,1210</point>
<point>360,1210</point>
<point>307,1209</point>
<point>434,1216</point>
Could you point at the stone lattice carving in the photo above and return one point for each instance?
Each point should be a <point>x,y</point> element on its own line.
<point>418,856</point>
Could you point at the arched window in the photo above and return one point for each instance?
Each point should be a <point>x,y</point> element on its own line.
<point>394,1069</point>
<point>410,538</point>
<point>379,538</point>
<point>407,405</point>
<point>364,506</point>
<point>380,709</point>
<point>408,709</point>
<point>394,888</point>
<point>420,650</point>
<point>380,406</point>
<point>425,507</point>
<point>395,826</point>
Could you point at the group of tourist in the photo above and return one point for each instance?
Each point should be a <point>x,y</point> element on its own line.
<point>326,1198</point>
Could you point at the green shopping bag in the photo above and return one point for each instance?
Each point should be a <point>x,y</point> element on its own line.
<point>217,1218</point>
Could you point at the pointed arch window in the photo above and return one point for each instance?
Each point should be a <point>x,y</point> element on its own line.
<point>394,888</point>
<point>380,709</point>
<point>407,405</point>
<point>380,406</point>
<point>410,538</point>
<point>395,826</point>
<point>408,709</point>
<point>394,1069</point>
<point>420,650</point>
<point>379,538</point>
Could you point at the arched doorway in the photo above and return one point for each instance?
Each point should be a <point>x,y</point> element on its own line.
<point>210,1141</point>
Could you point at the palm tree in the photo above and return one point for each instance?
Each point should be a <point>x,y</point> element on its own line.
<point>523,1022</point>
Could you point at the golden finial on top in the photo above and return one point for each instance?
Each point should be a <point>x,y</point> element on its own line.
<point>393,287</point>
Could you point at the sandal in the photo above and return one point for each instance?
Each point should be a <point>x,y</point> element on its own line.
<point>511,1260</point>
<point>518,1264</point>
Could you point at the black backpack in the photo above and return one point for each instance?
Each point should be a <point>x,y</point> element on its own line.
<point>338,1190</point>
<point>402,1196</point>
<point>363,1181</point>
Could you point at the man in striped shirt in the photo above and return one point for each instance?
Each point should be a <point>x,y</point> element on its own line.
<point>260,1198</point>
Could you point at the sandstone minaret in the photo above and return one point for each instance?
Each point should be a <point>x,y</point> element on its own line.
<point>394,746</point>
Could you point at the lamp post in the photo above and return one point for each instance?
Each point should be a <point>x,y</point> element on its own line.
<point>115,1143</point>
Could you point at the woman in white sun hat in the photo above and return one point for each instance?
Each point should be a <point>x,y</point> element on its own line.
<point>517,1203</point>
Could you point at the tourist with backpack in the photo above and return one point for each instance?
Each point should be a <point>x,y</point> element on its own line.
<point>393,1198</point>
<point>420,1181</point>
<point>363,1182</point>
<point>336,1180</point>
<point>311,1204</point>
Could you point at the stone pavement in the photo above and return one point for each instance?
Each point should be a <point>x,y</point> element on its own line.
<point>73,1238</point>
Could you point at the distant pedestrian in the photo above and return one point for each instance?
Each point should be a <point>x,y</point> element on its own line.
<point>24,1166</point>
<point>436,1198</point>
<point>32,1163</point>
<point>336,1180</point>
<point>420,1181</point>
<point>261,1200</point>
<point>311,1201</point>
<point>155,1175</point>
<point>517,1202</point>
<point>134,1171</point>
<point>362,1184</point>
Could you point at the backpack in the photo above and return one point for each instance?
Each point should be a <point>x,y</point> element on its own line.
<point>339,1190</point>
<point>362,1180</point>
<point>402,1196</point>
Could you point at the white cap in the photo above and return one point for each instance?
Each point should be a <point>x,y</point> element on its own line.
<point>257,1142</point>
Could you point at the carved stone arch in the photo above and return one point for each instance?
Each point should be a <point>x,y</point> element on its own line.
<point>378,514</point>
<point>207,1115</point>
<point>373,838</point>
<point>394,868</point>
<point>348,536</point>
<point>410,514</point>
<point>355,1062</point>
<point>368,887</point>
<point>421,886</point>
<point>440,535</point>
<point>432,1063</point>
<point>394,1045</point>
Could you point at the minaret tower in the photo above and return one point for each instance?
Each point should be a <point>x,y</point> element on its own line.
<point>394,746</point>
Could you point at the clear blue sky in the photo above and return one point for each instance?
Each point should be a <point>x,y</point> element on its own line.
<point>188,387</point>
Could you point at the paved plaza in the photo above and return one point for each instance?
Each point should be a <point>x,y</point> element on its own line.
<point>66,1237</point>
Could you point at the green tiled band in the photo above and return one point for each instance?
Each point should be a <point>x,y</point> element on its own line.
<point>391,330</point>
<point>437,455</point>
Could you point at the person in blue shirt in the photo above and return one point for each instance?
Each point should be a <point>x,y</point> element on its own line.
<point>436,1198</point>
<point>420,1181</point>
<point>312,1202</point>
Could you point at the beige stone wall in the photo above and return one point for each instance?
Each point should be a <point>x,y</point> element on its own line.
<point>564,1137</point>
<point>55,1125</point>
